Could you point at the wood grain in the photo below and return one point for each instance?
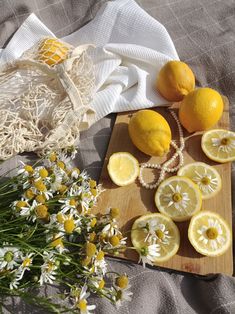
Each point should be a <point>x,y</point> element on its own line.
<point>134,200</point>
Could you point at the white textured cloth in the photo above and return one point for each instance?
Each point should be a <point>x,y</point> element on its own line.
<point>131,47</point>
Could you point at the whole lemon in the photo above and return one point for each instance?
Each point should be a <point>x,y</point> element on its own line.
<point>150,132</point>
<point>175,80</point>
<point>201,109</point>
<point>52,51</point>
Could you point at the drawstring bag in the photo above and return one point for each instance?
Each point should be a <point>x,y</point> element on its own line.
<point>45,97</point>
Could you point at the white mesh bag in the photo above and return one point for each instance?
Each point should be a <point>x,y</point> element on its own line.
<point>44,98</point>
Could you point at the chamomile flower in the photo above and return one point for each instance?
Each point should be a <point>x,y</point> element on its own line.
<point>26,262</point>
<point>81,302</point>
<point>211,233</point>
<point>26,170</point>
<point>100,266</point>
<point>156,232</point>
<point>48,269</point>
<point>224,142</point>
<point>122,291</point>
<point>9,257</point>
<point>56,241</point>
<point>149,253</point>
<point>206,182</point>
<point>70,224</point>
<point>69,205</point>
<point>179,204</point>
<point>111,229</point>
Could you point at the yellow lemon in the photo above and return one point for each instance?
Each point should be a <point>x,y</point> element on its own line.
<point>178,197</point>
<point>150,132</point>
<point>201,109</point>
<point>206,177</point>
<point>209,234</point>
<point>219,145</point>
<point>123,168</point>
<point>175,80</point>
<point>159,229</point>
<point>52,51</point>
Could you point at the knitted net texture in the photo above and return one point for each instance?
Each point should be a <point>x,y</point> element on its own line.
<point>44,98</point>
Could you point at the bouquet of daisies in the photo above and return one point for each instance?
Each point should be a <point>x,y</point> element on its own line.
<point>50,235</point>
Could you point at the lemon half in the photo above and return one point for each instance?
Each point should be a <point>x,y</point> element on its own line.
<point>179,198</point>
<point>123,168</point>
<point>209,234</point>
<point>161,229</point>
<point>219,145</point>
<point>206,177</point>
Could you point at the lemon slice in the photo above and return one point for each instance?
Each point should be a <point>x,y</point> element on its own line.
<point>179,198</point>
<point>219,145</point>
<point>123,168</point>
<point>158,229</point>
<point>206,177</point>
<point>209,234</point>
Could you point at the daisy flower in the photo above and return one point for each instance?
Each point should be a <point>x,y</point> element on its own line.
<point>48,269</point>
<point>9,256</point>
<point>26,262</point>
<point>81,302</point>
<point>211,234</point>
<point>69,204</point>
<point>149,253</point>
<point>176,198</point>
<point>205,181</point>
<point>224,142</point>
<point>26,170</point>
<point>156,232</point>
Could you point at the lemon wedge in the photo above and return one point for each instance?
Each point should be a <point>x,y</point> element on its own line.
<point>123,168</point>
<point>209,234</point>
<point>156,229</point>
<point>206,177</point>
<point>219,145</point>
<point>178,197</point>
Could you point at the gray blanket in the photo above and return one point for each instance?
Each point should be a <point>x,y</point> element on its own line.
<point>203,34</point>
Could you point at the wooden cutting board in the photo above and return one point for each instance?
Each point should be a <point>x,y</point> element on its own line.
<point>134,200</point>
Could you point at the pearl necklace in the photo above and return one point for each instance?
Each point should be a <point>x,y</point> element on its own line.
<point>165,166</point>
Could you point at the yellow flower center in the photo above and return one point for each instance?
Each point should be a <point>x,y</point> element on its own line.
<point>205,181</point>
<point>62,188</point>
<point>57,242</point>
<point>26,262</point>
<point>212,233</point>
<point>40,186</point>
<point>93,222</point>
<point>60,164</point>
<point>72,202</point>
<point>29,194</point>
<point>60,218</point>
<point>82,305</point>
<point>122,281</point>
<point>100,256</point>
<point>43,173</point>
<point>92,236</point>
<point>177,197</point>
<point>90,249</point>
<point>92,184</point>
<point>101,284</point>
<point>52,157</point>
<point>69,225</point>
<point>21,204</point>
<point>114,240</point>
<point>225,141</point>
<point>114,212</point>
<point>29,169</point>
<point>41,198</point>
<point>50,266</point>
<point>86,261</point>
<point>94,192</point>
<point>41,211</point>
<point>159,234</point>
